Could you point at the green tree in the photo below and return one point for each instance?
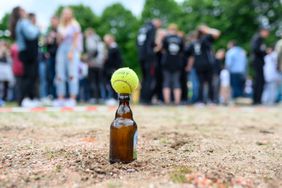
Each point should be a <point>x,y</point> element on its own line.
<point>167,10</point>
<point>238,19</point>
<point>4,26</point>
<point>83,14</point>
<point>120,22</point>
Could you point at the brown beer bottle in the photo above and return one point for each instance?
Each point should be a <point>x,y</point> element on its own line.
<point>123,133</point>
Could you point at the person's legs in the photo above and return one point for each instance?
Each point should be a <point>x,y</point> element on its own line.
<point>201,86</point>
<point>166,94</point>
<point>166,86</point>
<point>149,80</point>
<point>258,85</point>
<point>184,88</point>
<point>241,85</point>
<point>42,80</point>
<point>18,89</point>
<point>273,91</point>
<point>237,84</point>
<point>195,85</point>
<point>266,94</point>
<point>72,68</point>
<point>91,82</point>
<point>233,84</point>
<point>24,85</point>
<point>279,95</point>
<point>176,87</point>
<point>51,72</point>
<point>255,89</point>
<point>33,80</point>
<point>260,89</point>
<point>215,86</point>
<point>144,77</point>
<point>97,83</point>
<point>209,79</point>
<point>5,90</point>
<point>60,78</point>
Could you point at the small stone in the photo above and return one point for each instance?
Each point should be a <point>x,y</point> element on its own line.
<point>131,170</point>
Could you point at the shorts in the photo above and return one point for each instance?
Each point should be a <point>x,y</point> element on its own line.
<point>171,79</point>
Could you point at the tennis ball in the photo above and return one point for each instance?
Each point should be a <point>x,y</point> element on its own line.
<point>124,80</point>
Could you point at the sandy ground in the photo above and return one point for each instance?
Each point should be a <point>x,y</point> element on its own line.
<point>177,147</point>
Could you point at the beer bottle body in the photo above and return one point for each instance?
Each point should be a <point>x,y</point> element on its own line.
<point>123,134</point>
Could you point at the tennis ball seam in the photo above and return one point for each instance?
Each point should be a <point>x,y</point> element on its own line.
<point>125,83</point>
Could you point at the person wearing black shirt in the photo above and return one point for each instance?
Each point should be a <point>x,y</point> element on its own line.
<point>217,66</point>
<point>203,59</point>
<point>258,52</point>
<point>52,46</point>
<point>113,62</point>
<point>172,60</point>
<point>184,72</point>
<point>147,58</point>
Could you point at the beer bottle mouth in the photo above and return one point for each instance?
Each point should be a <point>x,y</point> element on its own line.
<point>123,96</point>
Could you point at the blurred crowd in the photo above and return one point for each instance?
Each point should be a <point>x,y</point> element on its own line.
<point>66,65</point>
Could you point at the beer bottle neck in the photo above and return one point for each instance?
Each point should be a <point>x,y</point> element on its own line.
<point>124,99</point>
<point>124,110</point>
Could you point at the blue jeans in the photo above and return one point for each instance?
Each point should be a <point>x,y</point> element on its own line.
<point>83,89</point>
<point>237,82</point>
<point>42,79</point>
<point>67,71</point>
<point>51,72</point>
<point>270,93</point>
<point>193,78</point>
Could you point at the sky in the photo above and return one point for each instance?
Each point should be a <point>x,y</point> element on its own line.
<point>44,9</point>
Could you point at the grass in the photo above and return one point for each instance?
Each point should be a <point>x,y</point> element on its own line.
<point>179,174</point>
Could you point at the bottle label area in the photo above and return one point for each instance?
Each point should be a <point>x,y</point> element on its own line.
<point>135,140</point>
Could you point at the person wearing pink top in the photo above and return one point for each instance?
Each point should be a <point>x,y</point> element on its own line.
<point>18,71</point>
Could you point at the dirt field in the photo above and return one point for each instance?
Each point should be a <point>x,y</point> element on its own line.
<point>177,147</point>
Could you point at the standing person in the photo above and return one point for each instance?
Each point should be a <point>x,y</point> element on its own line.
<point>190,69</point>
<point>6,74</point>
<point>204,59</point>
<point>26,35</point>
<point>52,46</point>
<point>18,71</point>
<point>272,78</point>
<point>224,95</point>
<point>184,72</point>
<point>147,57</point>
<point>41,61</point>
<point>161,33</point>
<point>96,53</point>
<point>217,66</point>
<point>236,63</point>
<point>112,63</point>
<point>68,58</point>
<point>258,52</point>
<point>83,84</point>
<point>172,60</point>
<point>278,50</point>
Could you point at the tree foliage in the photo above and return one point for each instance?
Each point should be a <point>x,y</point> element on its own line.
<point>237,19</point>
<point>83,14</point>
<point>121,23</point>
<point>166,10</point>
<point>4,25</point>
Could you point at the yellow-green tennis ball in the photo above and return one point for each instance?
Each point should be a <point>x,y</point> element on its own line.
<point>124,80</point>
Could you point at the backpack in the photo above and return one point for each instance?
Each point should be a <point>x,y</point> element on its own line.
<point>17,65</point>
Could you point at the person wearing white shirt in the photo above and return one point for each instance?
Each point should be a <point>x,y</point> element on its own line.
<point>224,86</point>
<point>271,76</point>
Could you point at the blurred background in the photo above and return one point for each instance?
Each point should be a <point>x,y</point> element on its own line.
<point>237,20</point>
